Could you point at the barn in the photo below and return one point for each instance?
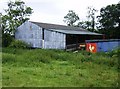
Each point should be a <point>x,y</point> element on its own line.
<point>52,36</point>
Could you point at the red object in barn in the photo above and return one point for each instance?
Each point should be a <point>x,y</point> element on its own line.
<point>91,47</point>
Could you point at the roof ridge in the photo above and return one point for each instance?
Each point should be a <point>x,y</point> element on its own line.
<point>79,28</point>
<point>64,29</point>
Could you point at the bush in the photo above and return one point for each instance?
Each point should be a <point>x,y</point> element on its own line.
<point>19,44</point>
<point>6,40</point>
<point>114,53</point>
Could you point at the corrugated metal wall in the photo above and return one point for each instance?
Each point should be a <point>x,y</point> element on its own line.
<point>107,46</point>
<point>54,40</point>
<point>32,34</point>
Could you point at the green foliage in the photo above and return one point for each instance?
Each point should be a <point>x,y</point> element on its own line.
<point>84,24</point>
<point>6,40</point>
<point>50,68</point>
<point>90,23</point>
<point>91,17</point>
<point>19,44</point>
<point>110,20</point>
<point>46,56</point>
<point>8,58</point>
<point>14,50</point>
<point>71,18</point>
<point>114,53</point>
<point>109,16</point>
<point>16,14</point>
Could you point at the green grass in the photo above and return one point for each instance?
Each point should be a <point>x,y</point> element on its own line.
<point>0,68</point>
<point>58,68</point>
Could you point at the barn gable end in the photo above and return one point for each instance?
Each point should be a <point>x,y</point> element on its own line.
<point>30,33</point>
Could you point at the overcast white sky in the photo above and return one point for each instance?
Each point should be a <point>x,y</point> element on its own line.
<point>53,11</point>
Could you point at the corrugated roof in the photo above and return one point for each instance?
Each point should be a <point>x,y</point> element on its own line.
<point>65,29</point>
<point>76,32</point>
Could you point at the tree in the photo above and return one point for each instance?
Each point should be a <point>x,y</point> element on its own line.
<point>90,23</point>
<point>91,18</point>
<point>0,31</point>
<point>71,18</point>
<point>84,24</point>
<point>109,20</point>
<point>16,14</point>
<point>110,16</point>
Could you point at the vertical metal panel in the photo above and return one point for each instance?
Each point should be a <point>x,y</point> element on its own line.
<point>54,40</point>
<point>30,33</point>
<point>107,46</point>
<point>113,45</point>
<point>103,46</point>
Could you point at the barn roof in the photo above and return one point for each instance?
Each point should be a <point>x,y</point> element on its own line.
<point>76,32</point>
<point>65,29</point>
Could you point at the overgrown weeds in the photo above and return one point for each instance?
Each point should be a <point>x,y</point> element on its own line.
<point>46,56</point>
<point>40,67</point>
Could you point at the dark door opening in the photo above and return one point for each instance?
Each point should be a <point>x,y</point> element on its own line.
<point>75,41</point>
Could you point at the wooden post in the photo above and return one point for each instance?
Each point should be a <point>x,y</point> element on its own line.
<point>76,42</point>
<point>42,37</point>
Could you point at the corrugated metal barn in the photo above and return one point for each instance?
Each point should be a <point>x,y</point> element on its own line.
<point>51,36</point>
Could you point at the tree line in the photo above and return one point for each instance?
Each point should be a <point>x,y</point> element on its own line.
<point>108,22</point>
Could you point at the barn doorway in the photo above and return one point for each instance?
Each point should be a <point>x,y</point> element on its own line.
<point>77,41</point>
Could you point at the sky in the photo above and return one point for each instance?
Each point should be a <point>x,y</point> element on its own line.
<point>53,11</point>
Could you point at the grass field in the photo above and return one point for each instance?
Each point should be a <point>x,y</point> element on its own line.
<point>57,68</point>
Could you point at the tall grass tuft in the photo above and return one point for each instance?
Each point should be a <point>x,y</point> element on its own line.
<point>8,58</point>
